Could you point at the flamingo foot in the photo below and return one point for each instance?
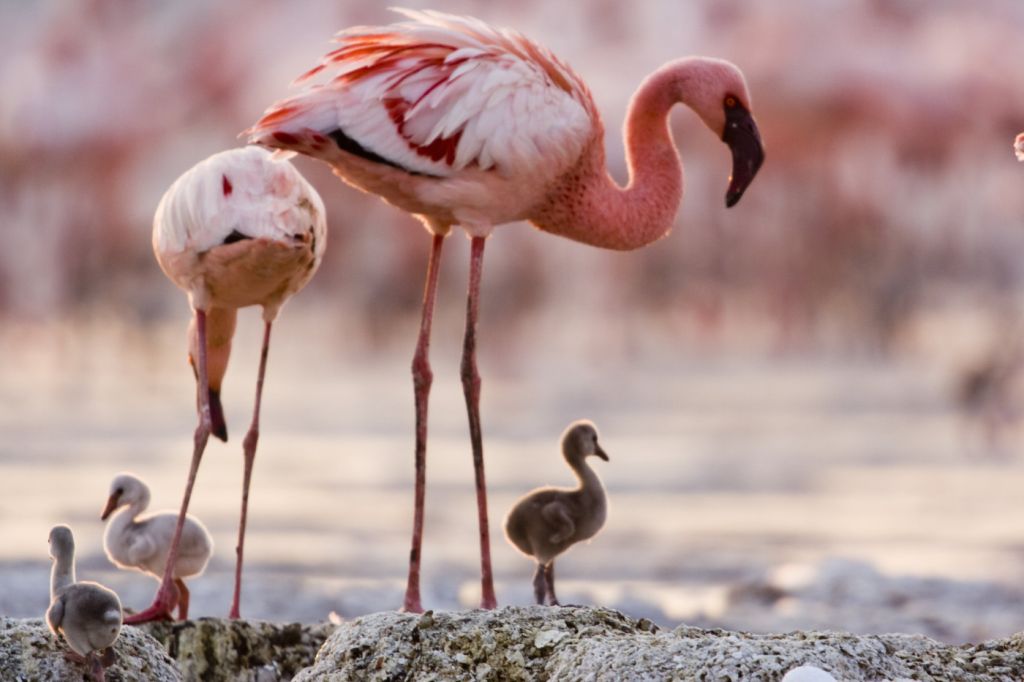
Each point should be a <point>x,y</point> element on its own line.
<point>163,604</point>
<point>488,601</point>
<point>94,664</point>
<point>155,612</point>
<point>97,669</point>
<point>412,603</point>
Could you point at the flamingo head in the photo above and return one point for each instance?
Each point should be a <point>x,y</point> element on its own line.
<point>744,140</point>
<point>62,542</point>
<point>125,489</point>
<point>580,441</point>
<point>716,90</point>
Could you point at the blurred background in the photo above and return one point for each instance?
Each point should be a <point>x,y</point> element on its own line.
<point>812,401</point>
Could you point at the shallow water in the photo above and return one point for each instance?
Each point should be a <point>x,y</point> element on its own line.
<point>746,491</point>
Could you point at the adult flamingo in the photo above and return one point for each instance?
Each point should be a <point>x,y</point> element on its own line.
<point>460,123</point>
<point>238,229</point>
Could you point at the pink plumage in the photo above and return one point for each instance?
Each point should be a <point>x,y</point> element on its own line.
<point>461,123</point>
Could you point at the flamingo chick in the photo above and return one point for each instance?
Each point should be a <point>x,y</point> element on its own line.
<point>143,543</point>
<point>1018,146</point>
<point>461,123</point>
<point>238,229</point>
<point>87,614</point>
<point>547,521</point>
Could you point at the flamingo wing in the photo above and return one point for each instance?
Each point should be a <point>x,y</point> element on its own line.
<point>141,548</point>
<point>559,521</point>
<point>237,194</point>
<point>55,614</point>
<point>435,95</point>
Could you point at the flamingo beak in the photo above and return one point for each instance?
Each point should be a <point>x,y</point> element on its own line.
<point>600,453</point>
<point>744,139</point>
<point>112,503</point>
<point>218,426</point>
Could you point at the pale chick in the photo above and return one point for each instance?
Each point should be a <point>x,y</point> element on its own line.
<point>87,614</point>
<point>546,522</point>
<point>461,123</point>
<point>143,542</point>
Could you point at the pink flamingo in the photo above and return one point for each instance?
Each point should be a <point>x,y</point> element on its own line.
<point>238,229</point>
<point>460,123</point>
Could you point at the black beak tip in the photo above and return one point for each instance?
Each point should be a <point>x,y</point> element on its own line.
<point>220,431</point>
<point>732,198</point>
<point>218,425</point>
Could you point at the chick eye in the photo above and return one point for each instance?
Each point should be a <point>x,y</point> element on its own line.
<point>730,102</point>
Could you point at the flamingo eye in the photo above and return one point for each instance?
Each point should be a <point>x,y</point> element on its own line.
<point>730,102</point>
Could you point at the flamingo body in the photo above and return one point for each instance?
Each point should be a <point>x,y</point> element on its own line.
<point>143,543</point>
<point>240,229</point>
<point>87,614</point>
<point>439,115</point>
<point>546,522</point>
<point>461,123</point>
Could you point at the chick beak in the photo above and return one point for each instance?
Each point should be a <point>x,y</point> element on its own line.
<point>111,506</point>
<point>600,453</point>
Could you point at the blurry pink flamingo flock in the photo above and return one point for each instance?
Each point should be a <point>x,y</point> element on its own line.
<point>457,123</point>
<point>444,117</point>
<point>460,123</point>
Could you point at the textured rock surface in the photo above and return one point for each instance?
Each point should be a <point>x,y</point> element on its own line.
<point>29,652</point>
<point>575,643</point>
<point>217,649</point>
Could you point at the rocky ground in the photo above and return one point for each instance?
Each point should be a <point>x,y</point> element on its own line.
<point>511,643</point>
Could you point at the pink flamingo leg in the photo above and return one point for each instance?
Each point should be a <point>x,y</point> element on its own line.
<point>249,451</point>
<point>422,378</point>
<point>167,595</point>
<point>471,389</point>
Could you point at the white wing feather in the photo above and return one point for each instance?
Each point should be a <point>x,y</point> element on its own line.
<point>440,93</point>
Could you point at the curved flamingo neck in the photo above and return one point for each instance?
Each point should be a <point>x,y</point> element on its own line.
<point>220,329</point>
<point>131,512</point>
<point>62,574</point>
<point>588,206</point>
<point>589,483</point>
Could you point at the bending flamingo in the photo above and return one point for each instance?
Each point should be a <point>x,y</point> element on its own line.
<point>238,229</point>
<point>460,123</point>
